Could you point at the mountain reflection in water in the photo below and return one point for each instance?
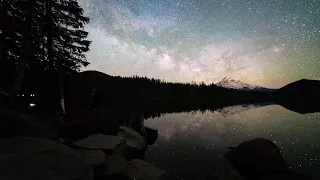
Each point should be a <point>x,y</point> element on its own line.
<point>191,144</point>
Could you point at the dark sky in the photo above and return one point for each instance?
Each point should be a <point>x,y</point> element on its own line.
<point>263,42</point>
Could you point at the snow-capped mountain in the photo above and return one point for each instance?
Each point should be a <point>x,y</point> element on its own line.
<point>236,84</point>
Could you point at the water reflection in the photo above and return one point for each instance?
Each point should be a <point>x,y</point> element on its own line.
<point>191,144</point>
<point>237,109</point>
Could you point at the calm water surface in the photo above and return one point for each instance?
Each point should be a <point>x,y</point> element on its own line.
<point>193,144</point>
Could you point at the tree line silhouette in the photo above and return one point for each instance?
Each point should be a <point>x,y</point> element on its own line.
<point>150,96</point>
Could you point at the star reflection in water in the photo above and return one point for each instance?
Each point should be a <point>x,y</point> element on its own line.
<point>191,144</point>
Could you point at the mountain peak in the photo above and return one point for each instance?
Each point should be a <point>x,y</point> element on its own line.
<point>229,79</point>
<point>230,83</point>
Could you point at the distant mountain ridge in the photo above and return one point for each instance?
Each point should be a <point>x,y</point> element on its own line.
<point>236,84</point>
<point>306,86</point>
<point>300,96</point>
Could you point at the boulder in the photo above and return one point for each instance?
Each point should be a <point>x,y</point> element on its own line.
<point>30,145</point>
<point>133,138</point>
<point>114,164</point>
<point>107,143</point>
<point>138,169</point>
<point>44,165</point>
<point>136,122</point>
<point>16,124</point>
<point>256,157</point>
<point>152,135</point>
<point>93,157</point>
<point>37,159</point>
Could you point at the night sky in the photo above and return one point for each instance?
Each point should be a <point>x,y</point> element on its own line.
<point>262,42</point>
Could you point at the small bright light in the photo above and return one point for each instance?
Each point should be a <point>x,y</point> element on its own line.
<point>22,94</point>
<point>32,105</point>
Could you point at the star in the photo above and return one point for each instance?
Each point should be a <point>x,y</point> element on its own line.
<point>204,41</point>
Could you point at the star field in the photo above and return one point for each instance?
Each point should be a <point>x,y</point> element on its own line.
<point>263,42</point>
<point>192,144</point>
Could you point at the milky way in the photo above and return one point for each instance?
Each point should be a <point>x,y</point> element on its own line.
<point>263,42</point>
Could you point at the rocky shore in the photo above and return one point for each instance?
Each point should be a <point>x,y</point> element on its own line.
<point>31,149</point>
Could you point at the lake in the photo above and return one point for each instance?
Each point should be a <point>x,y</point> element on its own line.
<point>193,144</point>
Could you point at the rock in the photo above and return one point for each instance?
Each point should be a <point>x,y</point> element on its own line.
<point>107,143</point>
<point>136,122</point>
<point>255,157</point>
<point>152,135</point>
<point>16,124</point>
<point>134,139</point>
<point>44,165</point>
<point>114,164</point>
<point>93,157</point>
<point>37,159</point>
<point>29,145</point>
<point>138,169</point>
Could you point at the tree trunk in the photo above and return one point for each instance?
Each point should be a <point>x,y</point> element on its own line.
<point>20,76</point>
<point>50,54</point>
<point>0,59</point>
<point>61,88</point>
<point>26,50</point>
<point>49,31</point>
<point>3,8</point>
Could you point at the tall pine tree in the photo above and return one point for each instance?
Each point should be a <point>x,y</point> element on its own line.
<point>13,17</point>
<point>66,38</point>
<point>29,11</point>
<point>42,35</point>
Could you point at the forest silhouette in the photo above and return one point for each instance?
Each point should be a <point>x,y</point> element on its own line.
<point>42,50</point>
